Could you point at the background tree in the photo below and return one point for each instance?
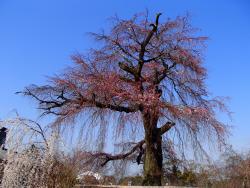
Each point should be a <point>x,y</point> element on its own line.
<point>34,158</point>
<point>235,169</point>
<point>150,76</point>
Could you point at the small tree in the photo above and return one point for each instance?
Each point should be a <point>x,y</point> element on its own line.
<point>147,73</point>
<point>33,159</point>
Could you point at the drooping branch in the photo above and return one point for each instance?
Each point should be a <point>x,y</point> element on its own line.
<point>26,132</point>
<point>108,157</point>
<point>38,130</point>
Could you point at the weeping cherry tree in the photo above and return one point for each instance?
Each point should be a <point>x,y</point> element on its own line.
<point>149,72</point>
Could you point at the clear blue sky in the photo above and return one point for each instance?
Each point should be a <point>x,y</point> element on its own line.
<point>37,38</point>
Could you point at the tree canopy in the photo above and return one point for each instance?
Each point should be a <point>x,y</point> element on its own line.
<point>148,72</point>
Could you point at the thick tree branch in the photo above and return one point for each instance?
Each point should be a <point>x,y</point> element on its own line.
<point>49,105</point>
<point>108,157</point>
<point>114,107</point>
<point>128,69</point>
<point>166,127</point>
<point>145,43</point>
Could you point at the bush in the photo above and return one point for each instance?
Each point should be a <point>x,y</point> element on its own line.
<point>89,180</point>
<point>33,168</point>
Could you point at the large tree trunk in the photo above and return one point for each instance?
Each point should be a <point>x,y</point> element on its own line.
<point>153,155</point>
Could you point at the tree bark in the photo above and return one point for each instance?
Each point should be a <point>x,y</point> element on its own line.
<point>153,155</point>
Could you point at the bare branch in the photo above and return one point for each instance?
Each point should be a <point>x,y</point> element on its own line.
<point>108,157</point>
